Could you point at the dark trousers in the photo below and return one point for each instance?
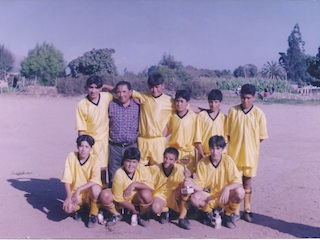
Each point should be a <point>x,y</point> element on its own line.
<point>115,159</point>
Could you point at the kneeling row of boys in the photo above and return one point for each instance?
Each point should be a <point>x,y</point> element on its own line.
<point>141,190</point>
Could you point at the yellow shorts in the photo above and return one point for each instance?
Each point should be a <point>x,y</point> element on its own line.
<point>101,150</point>
<point>171,202</point>
<point>84,197</point>
<point>214,202</point>
<point>152,149</point>
<point>248,171</point>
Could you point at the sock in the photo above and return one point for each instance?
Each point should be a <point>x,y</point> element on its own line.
<point>94,209</point>
<point>247,199</point>
<point>112,209</point>
<point>77,208</point>
<point>231,208</point>
<point>144,207</point>
<point>183,209</point>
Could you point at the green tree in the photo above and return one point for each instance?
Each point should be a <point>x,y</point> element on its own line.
<point>44,62</point>
<point>314,65</point>
<point>295,61</point>
<point>93,62</point>
<point>239,72</point>
<point>250,70</point>
<point>6,60</point>
<point>169,61</point>
<point>273,70</point>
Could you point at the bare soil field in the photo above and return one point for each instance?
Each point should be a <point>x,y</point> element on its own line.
<point>37,133</point>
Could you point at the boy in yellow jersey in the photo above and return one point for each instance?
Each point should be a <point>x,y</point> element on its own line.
<point>155,111</point>
<point>182,127</point>
<point>92,119</point>
<point>168,179</point>
<point>218,184</point>
<point>246,128</point>
<point>210,122</point>
<point>82,181</point>
<point>132,186</point>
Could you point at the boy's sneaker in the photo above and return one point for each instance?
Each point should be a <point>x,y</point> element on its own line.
<point>92,221</point>
<point>143,220</point>
<point>77,215</point>
<point>209,219</point>
<point>227,221</point>
<point>247,216</point>
<point>235,217</point>
<point>164,217</point>
<point>184,223</point>
<point>113,220</point>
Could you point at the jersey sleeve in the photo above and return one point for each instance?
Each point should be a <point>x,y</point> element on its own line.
<point>263,127</point>
<point>96,173</point>
<point>81,121</point>
<point>67,174</point>
<point>117,187</point>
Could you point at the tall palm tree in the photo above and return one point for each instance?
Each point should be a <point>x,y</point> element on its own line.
<point>273,70</point>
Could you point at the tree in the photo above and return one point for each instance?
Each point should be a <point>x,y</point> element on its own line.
<point>93,62</point>
<point>169,61</point>
<point>295,61</point>
<point>6,60</point>
<point>314,65</point>
<point>44,62</point>
<point>239,72</point>
<point>250,70</point>
<point>273,70</point>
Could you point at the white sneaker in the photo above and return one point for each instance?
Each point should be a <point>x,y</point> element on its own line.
<point>134,220</point>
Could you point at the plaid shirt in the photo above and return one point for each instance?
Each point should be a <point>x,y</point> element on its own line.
<point>124,122</point>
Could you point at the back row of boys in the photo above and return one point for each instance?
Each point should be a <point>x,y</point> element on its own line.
<point>218,178</point>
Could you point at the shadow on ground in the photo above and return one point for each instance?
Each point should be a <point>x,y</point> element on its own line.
<point>46,195</point>
<point>295,229</point>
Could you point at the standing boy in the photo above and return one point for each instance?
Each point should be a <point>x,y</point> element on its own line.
<point>124,120</point>
<point>132,186</point>
<point>168,178</point>
<point>82,181</point>
<point>210,122</point>
<point>218,184</point>
<point>92,119</point>
<point>246,128</point>
<point>182,127</point>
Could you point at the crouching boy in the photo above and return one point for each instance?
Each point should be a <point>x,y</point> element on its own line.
<point>132,187</point>
<point>82,180</point>
<point>218,184</point>
<point>168,178</point>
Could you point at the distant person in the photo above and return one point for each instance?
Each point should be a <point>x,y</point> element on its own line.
<point>238,90</point>
<point>265,94</point>
<point>246,128</point>
<point>82,181</point>
<point>92,119</point>
<point>210,122</point>
<point>123,126</point>
<point>272,90</point>
<point>218,184</point>
<point>182,129</point>
<point>132,187</point>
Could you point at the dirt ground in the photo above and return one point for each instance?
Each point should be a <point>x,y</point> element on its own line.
<point>37,133</point>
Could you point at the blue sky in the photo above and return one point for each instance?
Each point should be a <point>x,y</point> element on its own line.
<point>209,34</point>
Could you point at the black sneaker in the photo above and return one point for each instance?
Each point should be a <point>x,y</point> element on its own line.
<point>209,219</point>
<point>92,221</point>
<point>247,216</point>
<point>77,215</point>
<point>164,217</point>
<point>143,220</point>
<point>184,223</point>
<point>227,221</point>
<point>113,220</point>
<point>234,217</point>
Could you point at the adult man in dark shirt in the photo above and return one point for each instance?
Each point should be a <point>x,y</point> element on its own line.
<point>123,126</point>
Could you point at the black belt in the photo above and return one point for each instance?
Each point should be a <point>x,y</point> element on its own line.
<point>122,144</point>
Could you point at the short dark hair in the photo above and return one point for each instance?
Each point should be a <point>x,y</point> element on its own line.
<point>155,79</point>
<point>185,94</point>
<point>131,153</point>
<point>215,94</point>
<point>94,80</point>
<point>121,83</point>
<point>218,141</point>
<point>173,151</point>
<point>86,138</point>
<point>248,89</point>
